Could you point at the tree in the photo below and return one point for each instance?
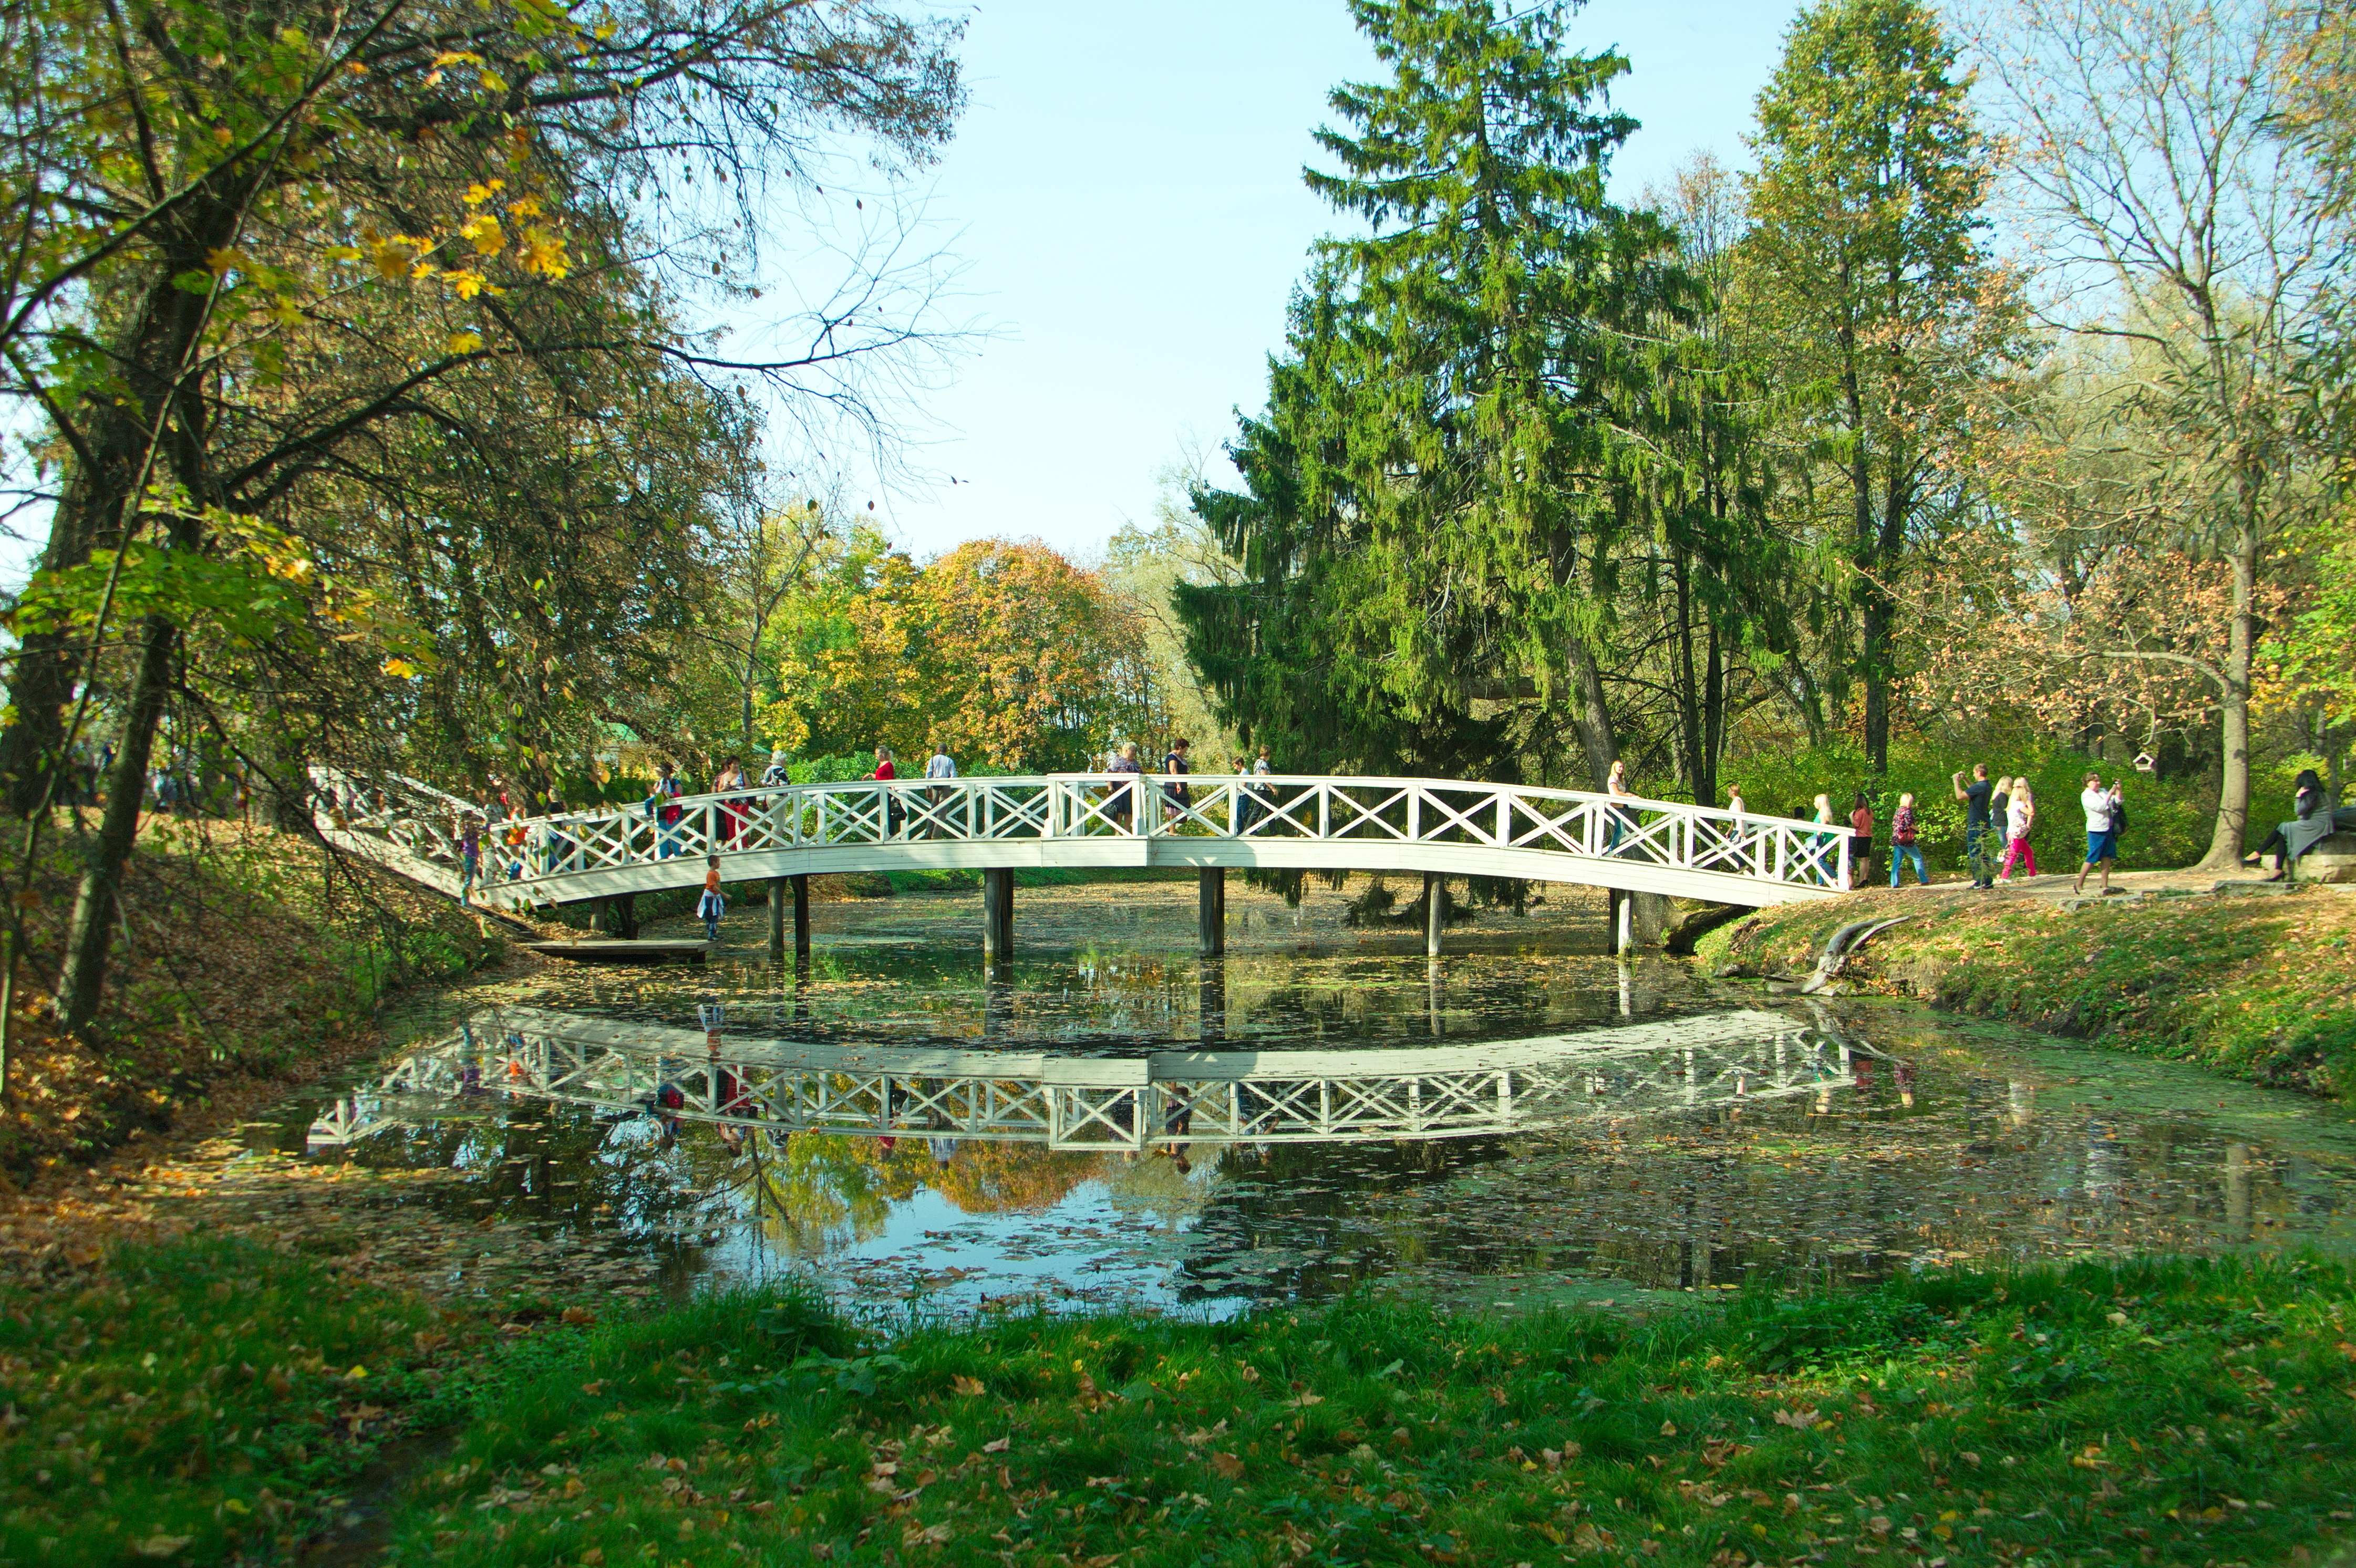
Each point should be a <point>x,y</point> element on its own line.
<point>1867,261</point>
<point>1000,650</point>
<point>1436,483</point>
<point>288,225</point>
<point>2149,148</point>
<point>1712,577</point>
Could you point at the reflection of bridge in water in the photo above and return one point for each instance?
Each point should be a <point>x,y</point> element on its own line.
<point>1106,1103</point>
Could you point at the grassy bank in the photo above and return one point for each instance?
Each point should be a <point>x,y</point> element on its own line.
<point>212,1399</point>
<point>243,954</point>
<point>2260,988</point>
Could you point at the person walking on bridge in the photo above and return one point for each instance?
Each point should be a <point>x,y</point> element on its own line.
<point>733,808</point>
<point>895,814</point>
<point>663,804</point>
<point>1978,826</point>
<point>941,765</point>
<point>1174,762</point>
<point>1620,823</point>
<point>1120,797</point>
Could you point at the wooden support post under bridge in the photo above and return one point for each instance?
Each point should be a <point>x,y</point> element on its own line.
<point>1211,913</point>
<point>997,915</point>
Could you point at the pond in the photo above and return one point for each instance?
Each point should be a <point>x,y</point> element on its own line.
<point>1525,1121</point>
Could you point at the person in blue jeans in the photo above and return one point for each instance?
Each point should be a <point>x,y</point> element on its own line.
<point>713,903</point>
<point>1979,826</point>
<point>1905,829</point>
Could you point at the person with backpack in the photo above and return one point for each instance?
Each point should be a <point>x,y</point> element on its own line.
<point>1905,833</point>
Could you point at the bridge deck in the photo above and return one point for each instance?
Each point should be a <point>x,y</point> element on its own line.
<point>1437,825</point>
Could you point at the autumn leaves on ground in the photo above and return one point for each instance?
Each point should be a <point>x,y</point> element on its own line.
<point>244,956</point>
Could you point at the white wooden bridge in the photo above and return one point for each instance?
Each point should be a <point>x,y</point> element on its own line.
<point>1206,823</point>
<point>1112,1103</point>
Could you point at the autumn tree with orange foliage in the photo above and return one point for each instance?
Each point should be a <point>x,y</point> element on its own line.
<point>1008,654</point>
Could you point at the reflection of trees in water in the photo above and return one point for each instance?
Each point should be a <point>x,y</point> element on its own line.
<point>818,1192</point>
<point>1707,1199</point>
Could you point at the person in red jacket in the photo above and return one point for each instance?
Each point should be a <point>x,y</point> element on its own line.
<point>893,813</point>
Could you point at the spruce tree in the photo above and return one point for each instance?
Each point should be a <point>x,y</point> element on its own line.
<point>1437,482</point>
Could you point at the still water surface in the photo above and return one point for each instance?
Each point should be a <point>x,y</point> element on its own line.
<point>1927,1141</point>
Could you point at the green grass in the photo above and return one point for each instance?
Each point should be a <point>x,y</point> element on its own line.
<point>2167,1411</point>
<point>196,1400</point>
<point>2264,990</point>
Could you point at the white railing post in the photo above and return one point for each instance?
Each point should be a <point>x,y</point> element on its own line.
<point>1504,818</point>
<point>1324,809</point>
<point>1415,814</point>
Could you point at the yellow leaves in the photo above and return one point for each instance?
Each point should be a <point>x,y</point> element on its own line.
<point>543,253</point>
<point>529,207</point>
<point>466,282</point>
<point>971,1388</point>
<point>464,342</point>
<point>400,668</point>
<point>480,193</point>
<point>492,80</point>
<point>219,260</point>
<point>395,256</point>
<point>463,57</point>
<point>483,231</point>
<point>343,252</point>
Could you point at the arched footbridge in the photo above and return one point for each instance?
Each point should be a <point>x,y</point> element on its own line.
<point>1439,827</point>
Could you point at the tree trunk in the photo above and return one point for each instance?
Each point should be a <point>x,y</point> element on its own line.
<point>1595,729</point>
<point>2226,840</point>
<point>99,505</point>
<point>92,930</point>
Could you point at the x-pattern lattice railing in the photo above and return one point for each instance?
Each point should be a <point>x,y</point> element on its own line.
<point>571,855</point>
<point>1170,1097</point>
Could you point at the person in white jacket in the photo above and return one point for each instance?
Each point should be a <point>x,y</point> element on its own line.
<point>2101,829</point>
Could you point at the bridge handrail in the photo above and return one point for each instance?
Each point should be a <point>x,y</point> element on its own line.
<point>1064,807</point>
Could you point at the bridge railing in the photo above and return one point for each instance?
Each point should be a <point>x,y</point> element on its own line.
<point>526,860</point>
<point>413,818</point>
<point>1113,805</point>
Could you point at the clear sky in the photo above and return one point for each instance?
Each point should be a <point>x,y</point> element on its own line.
<point>1125,192</point>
